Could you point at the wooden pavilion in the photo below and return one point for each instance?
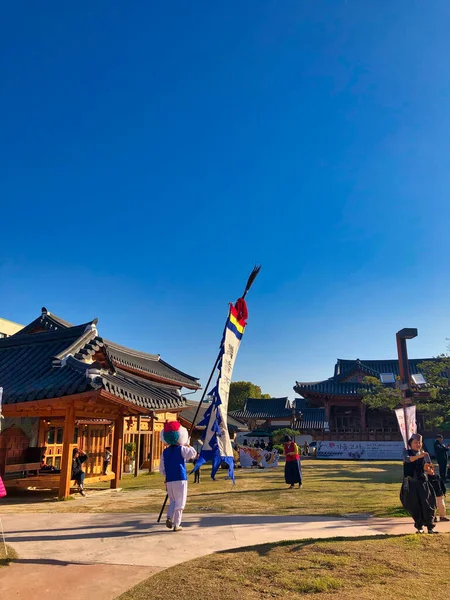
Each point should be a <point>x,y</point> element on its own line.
<point>63,387</point>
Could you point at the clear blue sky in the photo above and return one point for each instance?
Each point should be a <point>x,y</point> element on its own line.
<point>151,153</point>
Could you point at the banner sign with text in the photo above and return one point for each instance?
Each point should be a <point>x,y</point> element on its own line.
<point>360,450</point>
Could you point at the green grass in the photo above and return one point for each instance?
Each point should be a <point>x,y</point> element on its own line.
<point>330,488</point>
<point>412,567</point>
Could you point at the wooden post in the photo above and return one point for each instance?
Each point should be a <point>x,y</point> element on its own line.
<point>152,441</point>
<point>327,412</point>
<point>137,456</point>
<point>363,415</point>
<point>66,459</point>
<point>117,452</point>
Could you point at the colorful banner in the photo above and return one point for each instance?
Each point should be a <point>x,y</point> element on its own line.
<point>360,450</point>
<point>410,427</point>
<point>252,457</point>
<point>216,440</point>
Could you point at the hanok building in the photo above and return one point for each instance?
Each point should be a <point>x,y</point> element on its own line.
<point>266,415</point>
<point>341,399</point>
<point>65,386</point>
<point>270,413</point>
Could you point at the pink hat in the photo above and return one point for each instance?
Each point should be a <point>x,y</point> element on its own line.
<point>171,426</point>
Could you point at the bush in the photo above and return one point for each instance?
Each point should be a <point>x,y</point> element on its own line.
<point>279,448</point>
<point>278,435</point>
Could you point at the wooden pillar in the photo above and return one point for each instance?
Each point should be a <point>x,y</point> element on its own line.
<point>152,444</point>
<point>66,459</point>
<point>327,413</point>
<point>117,452</point>
<point>363,416</point>
<point>137,456</point>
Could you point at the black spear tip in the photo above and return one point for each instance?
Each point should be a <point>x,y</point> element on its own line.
<point>251,279</point>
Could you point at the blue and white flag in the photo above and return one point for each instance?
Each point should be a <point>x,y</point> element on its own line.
<point>216,440</point>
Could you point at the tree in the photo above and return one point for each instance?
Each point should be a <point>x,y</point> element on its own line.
<point>437,376</point>
<point>379,395</point>
<point>279,434</point>
<point>436,405</point>
<point>240,391</point>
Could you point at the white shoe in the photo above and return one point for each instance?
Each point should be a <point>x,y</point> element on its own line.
<point>178,528</point>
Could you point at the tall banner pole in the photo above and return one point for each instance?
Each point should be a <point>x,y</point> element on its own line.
<point>236,322</point>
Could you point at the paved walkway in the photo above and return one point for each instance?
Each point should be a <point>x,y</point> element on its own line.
<point>103,555</point>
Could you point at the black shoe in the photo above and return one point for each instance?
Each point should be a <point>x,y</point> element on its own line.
<point>435,520</point>
<point>432,531</point>
<point>445,519</point>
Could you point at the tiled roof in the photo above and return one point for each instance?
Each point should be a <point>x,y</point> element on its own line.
<point>46,321</point>
<point>344,366</point>
<point>142,392</point>
<point>330,386</point>
<point>148,363</point>
<point>188,414</point>
<point>312,418</point>
<point>335,386</point>
<point>119,355</point>
<point>50,364</point>
<point>259,408</point>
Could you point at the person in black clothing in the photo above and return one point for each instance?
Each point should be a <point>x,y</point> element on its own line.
<point>196,473</point>
<point>440,491</point>
<point>78,475</point>
<point>416,494</point>
<point>441,454</point>
<point>262,445</point>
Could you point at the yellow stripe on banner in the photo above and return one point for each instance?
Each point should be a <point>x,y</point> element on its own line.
<point>236,324</point>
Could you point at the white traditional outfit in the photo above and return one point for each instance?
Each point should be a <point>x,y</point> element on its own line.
<point>173,468</point>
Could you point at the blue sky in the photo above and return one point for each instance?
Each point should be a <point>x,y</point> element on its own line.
<point>151,153</point>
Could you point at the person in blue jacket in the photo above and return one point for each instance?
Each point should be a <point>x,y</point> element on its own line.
<point>173,468</point>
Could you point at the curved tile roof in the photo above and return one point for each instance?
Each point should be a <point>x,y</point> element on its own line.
<point>52,363</point>
<point>331,386</point>
<point>262,408</point>
<point>119,355</point>
<point>148,363</point>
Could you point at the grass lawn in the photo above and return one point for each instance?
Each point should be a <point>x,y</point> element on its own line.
<point>330,488</point>
<point>5,560</point>
<point>413,567</point>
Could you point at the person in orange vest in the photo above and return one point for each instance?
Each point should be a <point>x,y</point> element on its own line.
<point>292,468</point>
